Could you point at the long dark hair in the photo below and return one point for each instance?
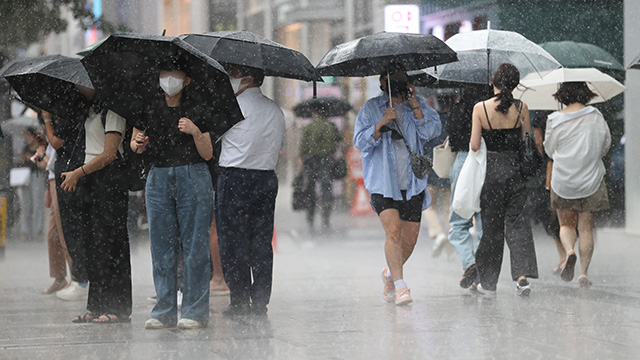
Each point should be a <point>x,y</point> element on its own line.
<point>505,79</point>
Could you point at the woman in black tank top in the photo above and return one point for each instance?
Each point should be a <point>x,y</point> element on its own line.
<point>503,193</point>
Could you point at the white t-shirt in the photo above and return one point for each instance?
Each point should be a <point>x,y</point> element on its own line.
<point>576,142</point>
<point>52,155</point>
<point>95,133</point>
<point>255,142</point>
<point>402,153</point>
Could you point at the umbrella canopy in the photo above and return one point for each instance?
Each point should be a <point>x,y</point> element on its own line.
<point>327,106</point>
<point>125,70</point>
<point>370,55</point>
<point>47,82</point>
<point>538,93</point>
<point>635,64</point>
<point>86,51</point>
<point>16,126</point>
<point>248,49</point>
<point>573,54</point>
<point>480,53</point>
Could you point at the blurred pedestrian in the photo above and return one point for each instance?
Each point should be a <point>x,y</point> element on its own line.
<point>104,207</point>
<point>438,188</point>
<point>460,231</point>
<point>397,195</point>
<point>577,138</point>
<point>32,195</point>
<point>68,140</point>
<point>499,121</point>
<point>540,195</point>
<point>247,189</point>
<point>320,141</point>
<point>179,192</point>
<point>58,255</point>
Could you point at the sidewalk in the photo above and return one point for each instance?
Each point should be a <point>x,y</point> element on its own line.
<point>327,305</point>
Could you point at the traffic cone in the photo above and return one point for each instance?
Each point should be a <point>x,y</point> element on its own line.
<point>361,202</point>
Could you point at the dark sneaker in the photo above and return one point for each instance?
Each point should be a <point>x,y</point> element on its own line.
<point>523,288</point>
<point>469,277</point>
<point>236,310</point>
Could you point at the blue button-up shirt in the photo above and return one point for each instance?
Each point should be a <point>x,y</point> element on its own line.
<point>379,156</point>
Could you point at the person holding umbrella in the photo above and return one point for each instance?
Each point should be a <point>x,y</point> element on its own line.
<point>397,194</point>
<point>577,138</point>
<point>179,192</point>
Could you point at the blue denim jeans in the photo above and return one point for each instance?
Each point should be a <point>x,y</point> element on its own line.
<point>180,211</point>
<point>459,235</point>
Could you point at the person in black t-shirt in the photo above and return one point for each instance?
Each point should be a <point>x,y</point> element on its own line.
<point>176,140</point>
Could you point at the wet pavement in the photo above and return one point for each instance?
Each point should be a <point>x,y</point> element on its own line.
<point>327,304</point>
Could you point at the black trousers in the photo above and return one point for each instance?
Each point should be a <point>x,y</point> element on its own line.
<point>72,220</point>
<point>318,171</point>
<point>503,219</point>
<point>245,209</point>
<point>106,243</point>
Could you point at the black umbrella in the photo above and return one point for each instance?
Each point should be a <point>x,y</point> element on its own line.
<point>47,82</point>
<point>125,70</point>
<point>370,55</point>
<point>248,49</point>
<point>327,106</point>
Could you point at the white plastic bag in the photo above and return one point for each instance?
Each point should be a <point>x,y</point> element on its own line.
<point>466,200</point>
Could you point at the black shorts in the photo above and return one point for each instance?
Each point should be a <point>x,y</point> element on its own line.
<point>410,210</point>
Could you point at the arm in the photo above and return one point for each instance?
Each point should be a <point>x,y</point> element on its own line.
<point>428,126</point>
<point>537,134</point>
<point>525,119</point>
<point>202,140</point>
<point>111,143</point>
<point>366,133</point>
<point>139,141</point>
<point>476,129</point>
<point>55,141</point>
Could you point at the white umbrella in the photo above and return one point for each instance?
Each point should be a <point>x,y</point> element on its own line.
<point>538,92</point>
<point>16,126</point>
<point>480,53</point>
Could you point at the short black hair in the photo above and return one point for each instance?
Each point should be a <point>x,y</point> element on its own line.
<point>256,74</point>
<point>574,92</point>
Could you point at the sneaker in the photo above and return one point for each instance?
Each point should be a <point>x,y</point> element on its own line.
<point>439,244</point>
<point>153,324</point>
<point>487,294</point>
<point>389,291</point>
<point>403,297</point>
<point>74,292</point>
<point>469,277</point>
<point>523,288</point>
<point>190,324</point>
<point>58,284</point>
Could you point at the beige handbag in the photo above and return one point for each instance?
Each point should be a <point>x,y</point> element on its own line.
<point>443,159</point>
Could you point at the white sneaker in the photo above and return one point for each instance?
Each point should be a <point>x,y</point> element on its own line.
<point>190,324</point>
<point>439,244</point>
<point>73,292</point>
<point>152,324</point>
<point>523,288</point>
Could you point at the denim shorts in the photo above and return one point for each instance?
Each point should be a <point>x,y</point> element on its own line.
<point>410,210</point>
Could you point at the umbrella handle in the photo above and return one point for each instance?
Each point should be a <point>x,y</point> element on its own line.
<point>389,86</point>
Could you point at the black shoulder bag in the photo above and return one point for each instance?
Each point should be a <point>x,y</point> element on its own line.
<point>531,160</point>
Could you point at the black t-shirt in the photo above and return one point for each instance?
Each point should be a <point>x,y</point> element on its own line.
<point>168,146</point>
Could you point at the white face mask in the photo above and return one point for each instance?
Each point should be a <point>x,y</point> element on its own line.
<point>235,84</point>
<point>171,85</point>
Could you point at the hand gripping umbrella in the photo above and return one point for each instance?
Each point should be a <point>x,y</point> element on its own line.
<point>47,82</point>
<point>480,53</point>
<point>372,55</point>
<point>125,70</point>
<point>538,93</point>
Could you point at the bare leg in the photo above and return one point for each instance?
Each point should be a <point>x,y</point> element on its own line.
<point>390,219</point>
<point>585,229</point>
<point>217,279</point>
<point>409,234</point>
<point>568,222</point>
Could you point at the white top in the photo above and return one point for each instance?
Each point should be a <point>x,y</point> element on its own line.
<point>401,151</point>
<point>254,143</point>
<point>96,133</point>
<point>576,142</point>
<point>52,155</point>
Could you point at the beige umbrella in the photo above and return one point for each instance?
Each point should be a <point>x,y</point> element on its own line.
<point>538,92</point>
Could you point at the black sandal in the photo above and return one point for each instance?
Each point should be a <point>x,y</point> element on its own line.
<point>82,319</point>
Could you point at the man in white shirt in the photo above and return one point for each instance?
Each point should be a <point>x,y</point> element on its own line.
<point>246,194</point>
